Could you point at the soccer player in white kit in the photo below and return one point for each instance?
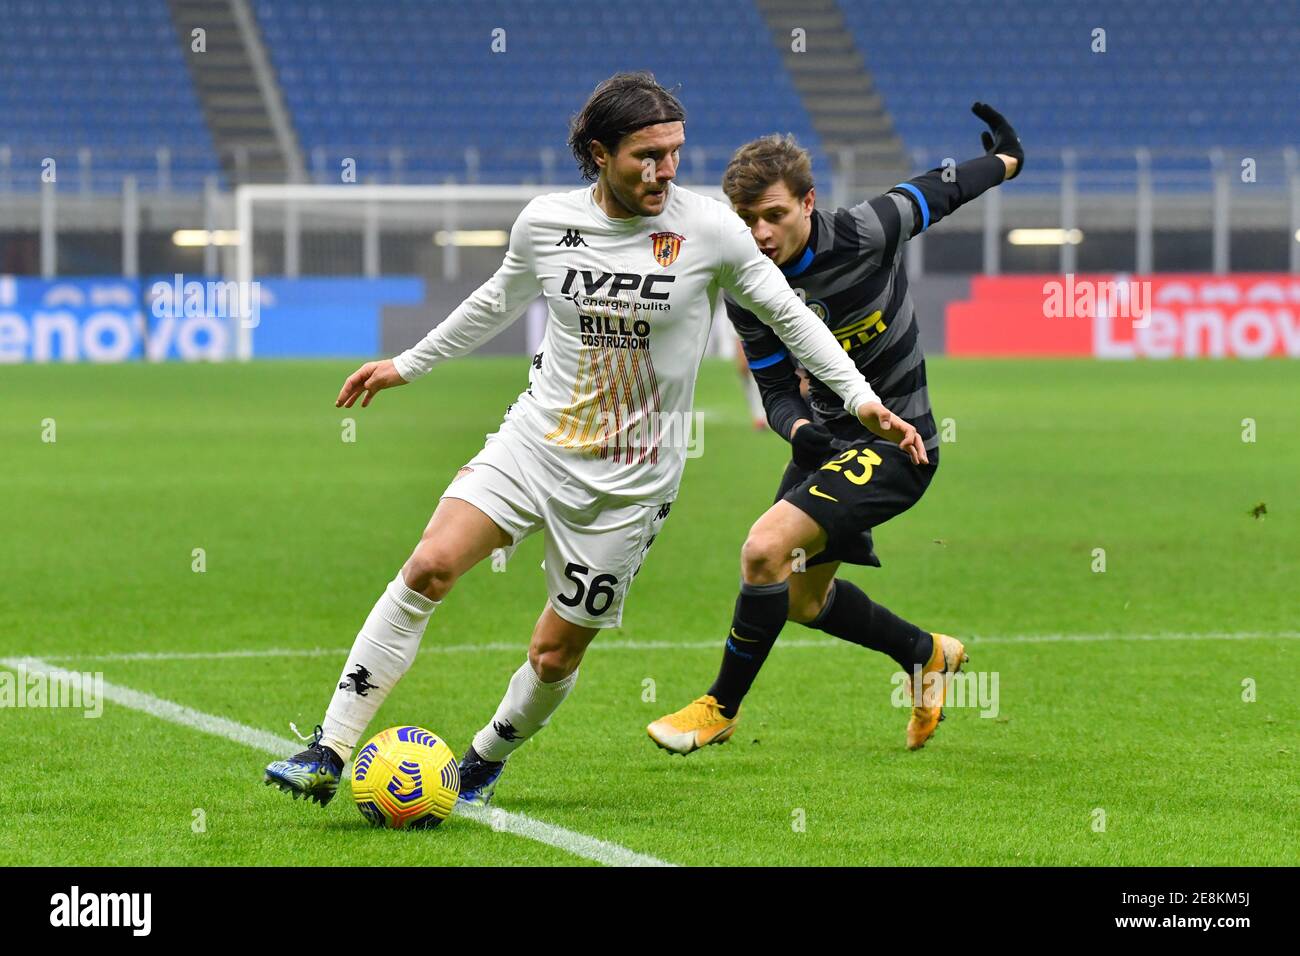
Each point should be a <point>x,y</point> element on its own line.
<point>593,450</point>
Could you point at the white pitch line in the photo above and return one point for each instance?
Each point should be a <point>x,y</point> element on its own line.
<point>578,844</point>
<point>430,647</point>
<point>1172,636</point>
<point>570,841</point>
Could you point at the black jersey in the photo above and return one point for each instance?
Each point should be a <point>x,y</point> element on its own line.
<point>851,274</point>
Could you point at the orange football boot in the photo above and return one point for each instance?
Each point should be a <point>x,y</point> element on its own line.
<point>696,725</point>
<point>927,707</point>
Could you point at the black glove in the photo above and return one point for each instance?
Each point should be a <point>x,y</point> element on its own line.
<point>1002,138</point>
<point>812,444</point>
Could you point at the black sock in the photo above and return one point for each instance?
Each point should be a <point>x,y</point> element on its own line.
<point>760,614</point>
<point>852,616</point>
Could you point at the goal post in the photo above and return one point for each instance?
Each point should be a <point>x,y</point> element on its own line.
<point>363,210</point>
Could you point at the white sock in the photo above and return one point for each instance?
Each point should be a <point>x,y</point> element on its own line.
<point>526,709</point>
<point>382,652</point>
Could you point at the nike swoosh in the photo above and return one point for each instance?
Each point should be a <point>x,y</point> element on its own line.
<point>821,494</point>
<point>747,640</point>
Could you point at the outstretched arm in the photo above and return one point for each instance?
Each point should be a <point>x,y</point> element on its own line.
<point>942,190</point>
<point>489,309</point>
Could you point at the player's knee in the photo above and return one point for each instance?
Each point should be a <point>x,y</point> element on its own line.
<point>763,558</point>
<point>431,570</point>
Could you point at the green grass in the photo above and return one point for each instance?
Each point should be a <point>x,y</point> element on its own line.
<point>301,531</point>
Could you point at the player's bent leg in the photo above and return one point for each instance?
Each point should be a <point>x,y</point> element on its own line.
<point>457,537</point>
<point>779,540</point>
<point>819,600</point>
<point>535,692</point>
<point>840,608</point>
<point>782,539</point>
<point>880,485</point>
<point>848,613</point>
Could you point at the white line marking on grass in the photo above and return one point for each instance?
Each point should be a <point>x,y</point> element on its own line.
<point>578,844</point>
<point>1092,638</point>
<point>634,645</point>
<point>162,709</point>
<point>570,841</point>
<point>204,655</point>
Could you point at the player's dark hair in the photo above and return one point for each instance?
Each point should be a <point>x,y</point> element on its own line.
<point>622,104</point>
<point>762,163</point>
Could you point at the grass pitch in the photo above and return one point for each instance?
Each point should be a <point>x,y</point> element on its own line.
<point>1120,692</point>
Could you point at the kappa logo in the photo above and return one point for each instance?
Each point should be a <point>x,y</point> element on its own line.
<point>666,246</point>
<point>360,679</point>
<point>571,238</point>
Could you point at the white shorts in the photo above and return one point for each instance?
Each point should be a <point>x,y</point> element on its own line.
<point>594,543</point>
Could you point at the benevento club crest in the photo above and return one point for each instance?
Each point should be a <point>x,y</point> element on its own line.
<point>666,245</point>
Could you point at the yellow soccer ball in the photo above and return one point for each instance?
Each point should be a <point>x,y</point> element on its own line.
<point>405,778</point>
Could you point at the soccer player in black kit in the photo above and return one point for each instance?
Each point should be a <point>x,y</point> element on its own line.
<point>842,480</point>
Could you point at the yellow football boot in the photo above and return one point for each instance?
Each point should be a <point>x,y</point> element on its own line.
<point>696,725</point>
<point>927,706</point>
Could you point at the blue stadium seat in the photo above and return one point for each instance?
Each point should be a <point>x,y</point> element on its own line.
<point>422,77</point>
<point>1176,74</point>
<point>107,77</point>
<point>364,79</point>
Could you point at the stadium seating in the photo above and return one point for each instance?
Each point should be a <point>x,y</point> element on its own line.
<point>361,78</point>
<point>1176,74</point>
<point>108,77</point>
<point>421,79</point>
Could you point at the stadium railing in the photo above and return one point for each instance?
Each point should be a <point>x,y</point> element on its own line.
<point>1228,197</point>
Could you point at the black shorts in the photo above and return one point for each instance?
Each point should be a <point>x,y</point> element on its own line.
<point>853,491</point>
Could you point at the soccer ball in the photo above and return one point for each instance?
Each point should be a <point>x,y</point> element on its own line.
<point>405,778</point>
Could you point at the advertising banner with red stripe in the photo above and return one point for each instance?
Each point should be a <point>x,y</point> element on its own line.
<point>1128,316</point>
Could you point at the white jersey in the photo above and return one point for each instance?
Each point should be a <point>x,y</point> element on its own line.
<point>630,302</point>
